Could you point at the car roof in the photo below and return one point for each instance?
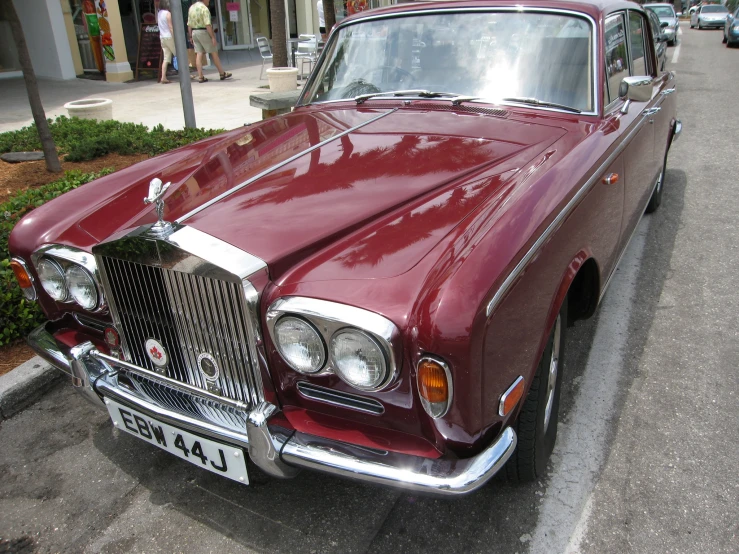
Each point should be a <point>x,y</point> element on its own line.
<point>594,8</point>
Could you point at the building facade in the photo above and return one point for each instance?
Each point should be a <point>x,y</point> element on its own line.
<point>100,38</point>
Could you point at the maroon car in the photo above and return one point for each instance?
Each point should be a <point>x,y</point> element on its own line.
<point>378,284</point>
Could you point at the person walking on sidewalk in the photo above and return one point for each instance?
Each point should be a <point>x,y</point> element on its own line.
<point>203,38</point>
<point>164,21</point>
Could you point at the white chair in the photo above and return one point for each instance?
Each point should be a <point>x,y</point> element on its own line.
<point>307,53</point>
<point>265,51</point>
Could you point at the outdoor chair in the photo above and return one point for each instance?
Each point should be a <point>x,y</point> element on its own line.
<point>265,51</point>
<point>307,53</point>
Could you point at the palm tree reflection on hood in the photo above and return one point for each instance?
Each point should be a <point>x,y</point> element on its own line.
<point>419,157</point>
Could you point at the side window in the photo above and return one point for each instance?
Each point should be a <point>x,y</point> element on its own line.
<point>637,34</point>
<point>617,59</point>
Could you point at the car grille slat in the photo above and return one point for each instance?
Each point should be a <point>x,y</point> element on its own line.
<point>189,315</point>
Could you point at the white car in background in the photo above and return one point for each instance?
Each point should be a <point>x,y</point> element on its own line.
<point>668,20</point>
<point>709,16</point>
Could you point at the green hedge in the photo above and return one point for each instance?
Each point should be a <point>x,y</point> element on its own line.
<point>87,139</point>
<point>18,316</point>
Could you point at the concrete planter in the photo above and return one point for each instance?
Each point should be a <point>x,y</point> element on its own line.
<point>91,108</point>
<point>282,79</point>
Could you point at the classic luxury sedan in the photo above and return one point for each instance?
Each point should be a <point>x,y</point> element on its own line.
<point>377,285</point>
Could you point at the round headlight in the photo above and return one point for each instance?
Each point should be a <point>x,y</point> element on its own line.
<point>52,279</point>
<point>300,345</point>
<point>358,359</point>
<point>82,287</point>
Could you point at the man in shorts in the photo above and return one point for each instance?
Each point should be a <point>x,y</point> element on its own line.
<point>203,38</point>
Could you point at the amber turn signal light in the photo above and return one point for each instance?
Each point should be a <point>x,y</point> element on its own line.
<point>434,386</point>
<point>432,381</point>
<point>24,279</point>
<point>510,398</point>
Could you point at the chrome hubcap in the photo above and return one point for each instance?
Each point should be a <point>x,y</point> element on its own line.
<point>553,369</point>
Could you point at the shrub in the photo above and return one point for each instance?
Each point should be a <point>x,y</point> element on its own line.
<point>87,139</point>
<point>18,316</point>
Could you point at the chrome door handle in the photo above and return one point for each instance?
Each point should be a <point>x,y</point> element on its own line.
<point>668,91</point>
<point>651,111</point>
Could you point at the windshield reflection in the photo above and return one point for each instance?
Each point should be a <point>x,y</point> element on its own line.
<point>489,55</point>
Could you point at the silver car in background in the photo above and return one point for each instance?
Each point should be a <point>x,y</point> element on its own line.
<point>668,19</point>
<point>709,16</point>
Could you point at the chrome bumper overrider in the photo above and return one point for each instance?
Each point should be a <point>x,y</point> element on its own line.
<point>276,451</point>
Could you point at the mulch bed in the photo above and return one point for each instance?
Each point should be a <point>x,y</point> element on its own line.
<point>22,176</point>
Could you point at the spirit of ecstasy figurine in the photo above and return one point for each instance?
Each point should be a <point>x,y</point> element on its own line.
<point>156,197</point>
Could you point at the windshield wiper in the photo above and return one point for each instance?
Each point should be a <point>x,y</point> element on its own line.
<point>542,103</point>
<point>419,92</point>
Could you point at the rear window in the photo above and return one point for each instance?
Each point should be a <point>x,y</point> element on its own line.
<point>714,9</point>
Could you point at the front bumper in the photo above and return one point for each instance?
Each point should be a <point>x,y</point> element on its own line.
<point>716,24</point>
<point>277,451</point>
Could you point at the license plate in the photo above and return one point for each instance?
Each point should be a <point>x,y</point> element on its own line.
<point>225,460</point>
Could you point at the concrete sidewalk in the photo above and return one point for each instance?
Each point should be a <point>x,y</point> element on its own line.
<point>218,104</point>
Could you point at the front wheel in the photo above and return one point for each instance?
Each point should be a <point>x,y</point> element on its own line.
<point>536,425</point>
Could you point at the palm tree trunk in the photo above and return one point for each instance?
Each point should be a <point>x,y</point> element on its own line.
<point>329,15</point>
<point>34,98</point>
<point>279,33</point>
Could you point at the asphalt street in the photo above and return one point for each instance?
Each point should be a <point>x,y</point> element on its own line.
<point>646,459</point>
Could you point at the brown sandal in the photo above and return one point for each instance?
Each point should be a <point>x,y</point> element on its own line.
<point>225,75</point>
<point>202,79</point>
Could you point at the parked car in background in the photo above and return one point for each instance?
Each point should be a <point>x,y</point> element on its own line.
<point>377,285</point>
<point>731,29</point>
<point>710,16</point>
<point>668,19</point>
<point>660,40</point>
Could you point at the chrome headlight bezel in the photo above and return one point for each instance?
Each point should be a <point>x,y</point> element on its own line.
<point>330,318</point>
<point>65,257</point>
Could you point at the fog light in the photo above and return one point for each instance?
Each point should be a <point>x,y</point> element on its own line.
<point>434,386</point>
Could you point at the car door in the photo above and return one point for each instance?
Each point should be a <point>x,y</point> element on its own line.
<point>640,161</point>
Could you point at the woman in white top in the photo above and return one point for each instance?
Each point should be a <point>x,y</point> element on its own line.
<point>164,20</point>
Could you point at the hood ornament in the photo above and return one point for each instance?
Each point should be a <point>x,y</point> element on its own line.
<point>156,197</point>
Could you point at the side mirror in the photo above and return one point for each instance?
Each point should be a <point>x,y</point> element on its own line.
<point>664,24</point>
<point>635,89</point>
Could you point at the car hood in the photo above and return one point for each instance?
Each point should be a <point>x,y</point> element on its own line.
<point>387,184</point>
<point>671,21</point>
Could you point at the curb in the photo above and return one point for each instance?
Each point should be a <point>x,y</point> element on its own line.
<point>22,386</point>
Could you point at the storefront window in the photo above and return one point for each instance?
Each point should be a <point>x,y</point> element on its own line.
<point>235,23</point>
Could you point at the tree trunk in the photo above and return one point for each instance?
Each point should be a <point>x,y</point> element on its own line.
<point>329,15</point>
<point>34,98</point>
<point>279,33</point>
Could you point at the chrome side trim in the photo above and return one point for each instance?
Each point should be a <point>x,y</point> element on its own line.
<point>34,294</point>
<point>329,317</point>
<point>278,166</point>
<point>504,397</point>
<point>437,476</point>
<point>554,225</point>
<point>489,9</point>
<point>425,403</point>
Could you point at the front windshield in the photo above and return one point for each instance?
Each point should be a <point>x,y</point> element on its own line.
<point>663,11</point>
<point>489,55</point>
<point>714,9</point>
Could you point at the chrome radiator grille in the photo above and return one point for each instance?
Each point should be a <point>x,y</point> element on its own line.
<point>189,315</point>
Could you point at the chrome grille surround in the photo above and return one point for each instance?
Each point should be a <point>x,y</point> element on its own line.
<point>191,292</point>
